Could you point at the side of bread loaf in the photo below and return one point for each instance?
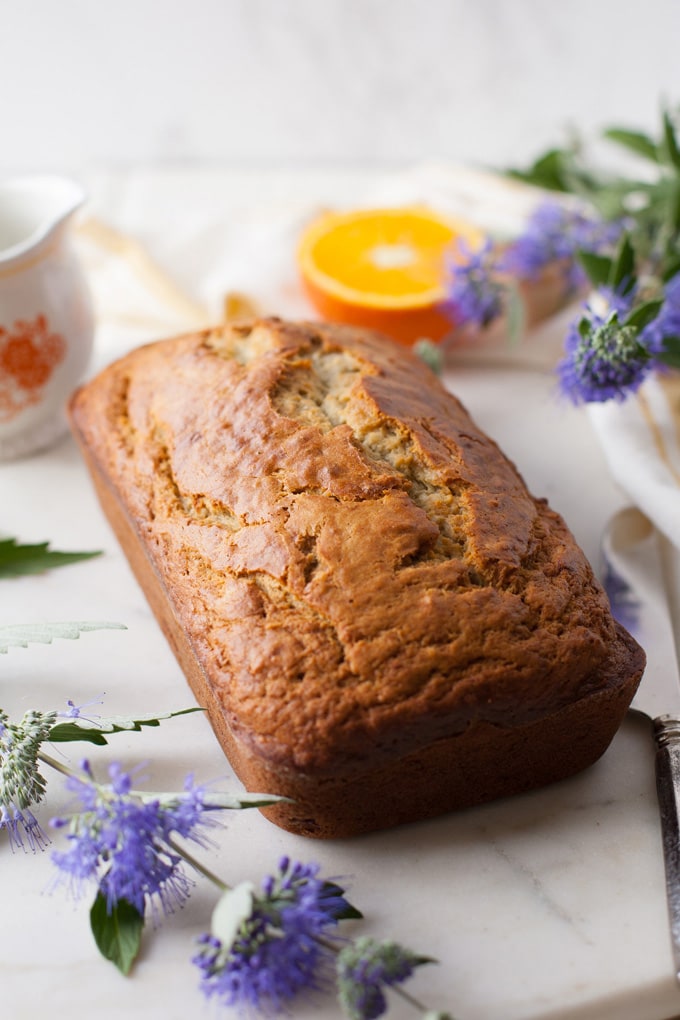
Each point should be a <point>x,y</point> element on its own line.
<point>382,622</point>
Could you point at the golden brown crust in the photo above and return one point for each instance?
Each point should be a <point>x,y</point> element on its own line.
<point>354,577</point>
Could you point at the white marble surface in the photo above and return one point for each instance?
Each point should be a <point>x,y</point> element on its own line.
<point>549,905</point>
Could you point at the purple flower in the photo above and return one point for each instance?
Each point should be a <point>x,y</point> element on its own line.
<point>121,840</point>
<point>277,950</point>
<point>76,711</point>
<point>365,969</point>
<point>625,606</point>
<point>617,300</point>
<point>22,825</point>
<point>604,359</point>
<point>21,784</point>
<point>667,322</point>
<point>555,233</point>
<point>475,295</point>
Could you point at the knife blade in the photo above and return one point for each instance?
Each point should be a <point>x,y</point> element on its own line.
<point>636,580</point>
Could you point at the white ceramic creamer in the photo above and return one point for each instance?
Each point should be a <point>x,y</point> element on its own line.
<point>46,318</point>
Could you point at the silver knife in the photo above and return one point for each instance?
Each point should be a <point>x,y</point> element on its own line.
<point>636,581</point>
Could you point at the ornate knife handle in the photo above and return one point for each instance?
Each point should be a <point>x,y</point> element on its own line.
<point>667,736</point>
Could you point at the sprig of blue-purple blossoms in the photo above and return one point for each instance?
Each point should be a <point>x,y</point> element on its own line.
<point>553,236</point>
<point>620,240</point>
<point>266,946</point>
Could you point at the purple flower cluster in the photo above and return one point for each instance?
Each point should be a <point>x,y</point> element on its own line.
<point>604,360</point>
<point>121,840</point>
<point>667,322</point>
<point>475,295</point>
<point>282,948</point>
<point>21,784</point>
<point>266,946</point>
<point>555,233</point>
<point>365,969</point>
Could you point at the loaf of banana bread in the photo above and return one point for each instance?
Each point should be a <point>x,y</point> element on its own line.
<point>382,623</point>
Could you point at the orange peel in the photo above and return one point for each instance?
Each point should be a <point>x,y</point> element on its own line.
<point>383,269</point>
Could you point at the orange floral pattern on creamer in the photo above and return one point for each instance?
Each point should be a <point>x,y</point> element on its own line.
<point>29,353</point>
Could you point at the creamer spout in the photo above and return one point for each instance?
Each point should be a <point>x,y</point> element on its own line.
<point>32,209</point>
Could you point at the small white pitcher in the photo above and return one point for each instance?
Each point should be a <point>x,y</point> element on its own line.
<point>46,317</point>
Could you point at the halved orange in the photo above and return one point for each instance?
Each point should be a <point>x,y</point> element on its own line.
<point>383,269</point>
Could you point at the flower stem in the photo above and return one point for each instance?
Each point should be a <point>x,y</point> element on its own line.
<point>412,1001</point>
<point>190,859</point>
<point>54,764</point>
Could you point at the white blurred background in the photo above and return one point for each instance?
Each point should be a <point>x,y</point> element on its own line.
<point>88,84</point>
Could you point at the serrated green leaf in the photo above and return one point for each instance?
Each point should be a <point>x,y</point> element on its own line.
<point>94,733</point>
<point>598,268</point>
<point>233,908</point>
<point>66,732</point>
<point>17,560</point>
<point>118,934</point>
<point>20,635</point>
<point>635,141</point>
<point>218,800</point>
<point>643,314</point>
<point>116,723</point>
<point>235,801</point>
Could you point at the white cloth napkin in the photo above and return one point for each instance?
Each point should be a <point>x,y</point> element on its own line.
<point>641,440</point>
<point>165,252</point>
<point>177,250</point>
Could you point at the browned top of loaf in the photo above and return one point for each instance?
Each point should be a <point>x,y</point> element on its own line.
<point>359,569</point>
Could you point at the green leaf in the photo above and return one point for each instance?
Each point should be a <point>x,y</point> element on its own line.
<point>430,353</point>
<point>643,314</point>
<point>671,354</point>
<point>66,732</point>
<point>218,801</point>
<point>671,267</point>
<point>349,913</point>
<point>20,635</point>
<point>236,801</point>
<point>118,934</point>
<point>636,141</point>
<point>19,560</point>
<point>670,148</point>
<point>622,275</point>
<point>547,171</point>
<point>233,908</point>
<point>94,733</point>
<point>598,268</point>
<point>116,723</point>
<point>673,213</point>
